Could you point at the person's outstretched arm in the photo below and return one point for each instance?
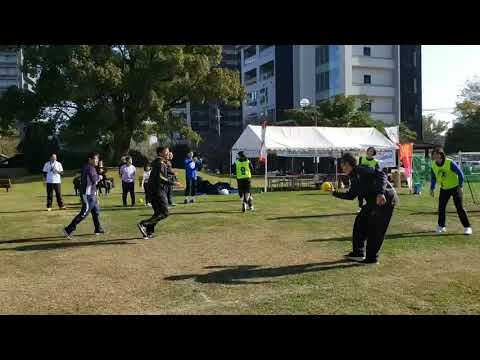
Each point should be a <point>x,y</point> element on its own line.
<point>456,169</point>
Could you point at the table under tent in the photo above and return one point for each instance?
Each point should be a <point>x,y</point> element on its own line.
<point>310,142</point>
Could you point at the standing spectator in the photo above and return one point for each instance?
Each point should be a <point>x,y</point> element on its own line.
<point>104,183</point>
<point>128,173</point>
<point>88,197</point>
<point>172,175</point>
<point>146,175</point>
<point>123,161</point>
<point>191,178</point>
<point>52,172</point>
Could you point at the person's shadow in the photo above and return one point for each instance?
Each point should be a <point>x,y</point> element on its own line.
<point>247,274</point>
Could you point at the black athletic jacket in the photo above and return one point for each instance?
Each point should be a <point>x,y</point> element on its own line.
<point>368,183</point>
<point>159,181</point>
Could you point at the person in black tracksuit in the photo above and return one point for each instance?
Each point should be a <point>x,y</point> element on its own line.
<point>158,185</point>
<point>372,221</point>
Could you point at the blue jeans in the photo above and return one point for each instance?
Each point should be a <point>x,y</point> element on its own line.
<point>89,205</point>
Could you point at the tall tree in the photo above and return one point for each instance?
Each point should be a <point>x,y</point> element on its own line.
<point>465,133</point>
<point>340,111</point>
<point>109,94</point>
<point>433,129</point>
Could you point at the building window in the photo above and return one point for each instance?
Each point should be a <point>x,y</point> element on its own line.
<point>267,70</point>
<point>368,107</point>
<point>366,51</point>
<point>414,59</point>
<point>414,85</point>
<point>367,79</point>
<point>252,98</point>
<point>321,55</point>
<point>250,77</point>
<point>264,96</point>
<point>322,81</point>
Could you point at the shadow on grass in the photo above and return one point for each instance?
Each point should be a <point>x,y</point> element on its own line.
<point>448,212</point>
<point>44,210</point>
<point>312,216</point>
<point>197,213</point>
<point>65,245</point>
<point>390,236</point>
<point>239,275</point>
<point>45,238</point>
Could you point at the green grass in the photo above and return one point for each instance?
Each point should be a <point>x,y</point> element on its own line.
<point>208,258</point>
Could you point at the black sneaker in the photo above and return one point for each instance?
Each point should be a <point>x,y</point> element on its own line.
<point>143,230</point>
<point>370,261</point>
<point>355,257</point>
<point>99,232</point>
<point>185,201</point>
<point>192,201</point>
<point>67,234</point>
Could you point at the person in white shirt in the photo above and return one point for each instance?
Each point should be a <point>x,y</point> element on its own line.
<point>128,173</point>
<point>52,172</point>
<point>146,175</point>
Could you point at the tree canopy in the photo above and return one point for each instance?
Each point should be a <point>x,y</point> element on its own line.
<point>465,133</point>
<point>106,95</point>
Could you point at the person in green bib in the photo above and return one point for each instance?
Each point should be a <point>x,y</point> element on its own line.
<point>243,170</point>
<point>369,161</point>
<point>450,176</point>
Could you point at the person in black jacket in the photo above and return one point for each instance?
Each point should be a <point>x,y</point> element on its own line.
<point>372,221</point>
<point>158,185</point>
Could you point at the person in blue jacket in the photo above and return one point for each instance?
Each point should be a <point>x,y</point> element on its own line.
<point>192,166</point>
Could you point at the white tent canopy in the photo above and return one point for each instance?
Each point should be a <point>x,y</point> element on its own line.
<point>308,141</point>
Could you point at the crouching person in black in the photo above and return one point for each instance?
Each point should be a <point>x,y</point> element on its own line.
<point>158,185</point>
<point>372,221</point>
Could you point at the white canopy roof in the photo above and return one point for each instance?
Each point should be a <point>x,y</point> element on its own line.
<point>310,141</point>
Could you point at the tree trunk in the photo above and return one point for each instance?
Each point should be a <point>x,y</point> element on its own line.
<point>121,143</point>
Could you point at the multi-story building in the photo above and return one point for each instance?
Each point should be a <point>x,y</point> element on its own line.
<point>10,72</point>
<point>277,77</point>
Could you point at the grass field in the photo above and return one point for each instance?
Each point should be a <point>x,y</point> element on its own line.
<point>209,258</point>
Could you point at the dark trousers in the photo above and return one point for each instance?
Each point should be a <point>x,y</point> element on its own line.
<point>191,188</point>
<point>371,225</point>
<point>89,205</point>
<point>169,194</point>
<point>160,212</point>
<point>58,194</point>
<point>147,196</point>
<point>128,188</point>
<point>457,200</point>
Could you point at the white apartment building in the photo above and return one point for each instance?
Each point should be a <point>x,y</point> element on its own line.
<point>319,72</point>
<point>10,72</point>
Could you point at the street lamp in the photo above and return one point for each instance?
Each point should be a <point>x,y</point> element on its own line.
<point>304,103</point>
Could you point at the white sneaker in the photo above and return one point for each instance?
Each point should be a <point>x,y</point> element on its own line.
<point>441,230</point>
<point>358,211</point>
<point>49,209</point>
<point>468,231</point>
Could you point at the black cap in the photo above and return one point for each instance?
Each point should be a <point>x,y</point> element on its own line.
<point>241,153</point>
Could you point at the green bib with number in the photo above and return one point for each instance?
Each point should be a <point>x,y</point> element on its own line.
<point>447,178</point>
<point>243,169</point>
<point>371,163</point>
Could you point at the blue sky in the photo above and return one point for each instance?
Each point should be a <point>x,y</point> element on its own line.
<point>445,69</point>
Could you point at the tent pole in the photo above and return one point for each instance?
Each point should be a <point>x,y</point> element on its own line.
<point>230,166</point>
<point>266,172</point>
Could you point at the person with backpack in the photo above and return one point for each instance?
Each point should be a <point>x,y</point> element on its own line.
<point>451,178</point>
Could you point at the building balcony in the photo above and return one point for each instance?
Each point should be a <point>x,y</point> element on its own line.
<point>250,60</point>
<point>249,82</point>
<point>372,62</point>
<point>372,90</point>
